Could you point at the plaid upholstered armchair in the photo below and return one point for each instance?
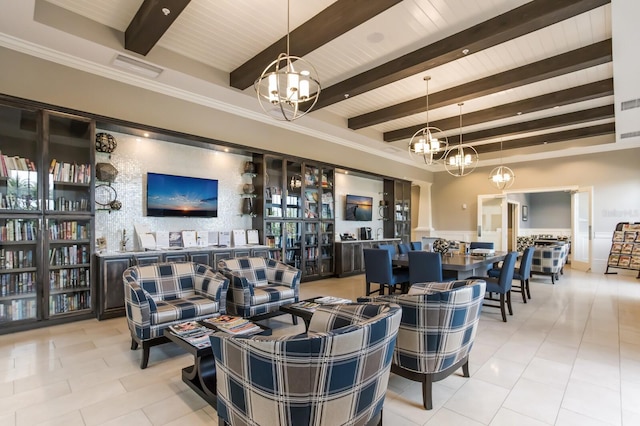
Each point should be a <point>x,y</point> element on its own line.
<point>549,260</point>
<point>259,286</point>
<point>162,294</point>
<point>439,324</point>
<point>335,374</point>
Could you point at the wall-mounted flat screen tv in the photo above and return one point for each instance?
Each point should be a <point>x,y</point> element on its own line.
<point>169,195</point>
<point>358,207</point>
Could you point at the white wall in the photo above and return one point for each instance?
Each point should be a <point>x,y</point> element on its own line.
<point>356,185</point>
<point>134,157</point>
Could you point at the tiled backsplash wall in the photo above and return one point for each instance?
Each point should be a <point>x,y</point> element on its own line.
<point>135,156</point>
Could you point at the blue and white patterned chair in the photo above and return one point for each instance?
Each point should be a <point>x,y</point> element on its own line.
<point>335,374</point>
<point>259,286</point>
<point>549,260</point>
<point>162,294</point>
<point>439,325</point>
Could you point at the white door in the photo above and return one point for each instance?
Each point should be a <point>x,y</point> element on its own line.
<point>492,220</point>
<point>582,228</point>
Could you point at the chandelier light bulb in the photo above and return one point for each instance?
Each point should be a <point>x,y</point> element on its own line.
<point>424,144</point>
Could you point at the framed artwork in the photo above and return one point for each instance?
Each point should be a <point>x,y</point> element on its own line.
<point>525,213</point>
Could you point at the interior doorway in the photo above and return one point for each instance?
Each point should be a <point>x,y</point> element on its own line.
<point>513,225</point>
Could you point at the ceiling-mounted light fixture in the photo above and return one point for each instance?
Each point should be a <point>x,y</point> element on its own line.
<point>424,144</point>
<point>462,159</point>
<point>287,91</point>
<point>502,177</point>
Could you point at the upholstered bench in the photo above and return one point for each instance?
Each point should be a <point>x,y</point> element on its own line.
<point>163,294</point>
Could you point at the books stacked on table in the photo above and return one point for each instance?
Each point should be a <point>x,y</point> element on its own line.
<point>234,325</point>
<point>330,300</point>
<point>193,333</point>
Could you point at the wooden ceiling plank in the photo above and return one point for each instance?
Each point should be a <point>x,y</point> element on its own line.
<point>335,20</point>
<point>572,118</point>
<point>581,93</point>
<point>150,23</point>
<point>510,25</point>
<point>562,136</point>
<point>585,57</point>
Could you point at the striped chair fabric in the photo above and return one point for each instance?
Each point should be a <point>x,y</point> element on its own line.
<point>335,374</point>
<point>162,294</point>
<point>439,325</point>
<point>258,285</point>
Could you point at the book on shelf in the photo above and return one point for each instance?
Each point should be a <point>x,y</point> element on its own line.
<point>233,324</point>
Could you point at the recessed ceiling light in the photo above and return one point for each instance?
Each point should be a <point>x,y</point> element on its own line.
<point>226,150</point>
<point>519,112</point>
<point>465,51</point>
<point>146,135</point>
<point>166,11</point>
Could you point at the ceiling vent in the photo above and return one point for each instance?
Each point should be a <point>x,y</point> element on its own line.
<point>635,103</point>
<point>136,66</point>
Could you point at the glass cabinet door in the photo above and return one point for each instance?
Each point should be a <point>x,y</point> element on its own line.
<point>326,185</point>
<point>19,164</point>
<point>293,202</point>
<point>311,192</point>
<point>326,248</point>
<point>69,164</point>
<point>18,269</point>
<point>69,269</point>
<point>273,239</point>
<point>273,187</point>
<point>292,248</point>
<point>311,248</point>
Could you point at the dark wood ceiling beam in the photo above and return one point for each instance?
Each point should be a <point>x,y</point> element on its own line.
<point>581,93</point>
<point>335,20</point>
<point>563,136</point>
<point>577,117</point>
<point>575,60</point>
<point>150,23</point>
<point>510,25</point>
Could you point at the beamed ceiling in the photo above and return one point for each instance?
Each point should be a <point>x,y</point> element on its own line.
<point>529,73</point>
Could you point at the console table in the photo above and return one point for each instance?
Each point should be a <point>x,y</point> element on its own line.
<point>109,301</point>
<point>350,257</point>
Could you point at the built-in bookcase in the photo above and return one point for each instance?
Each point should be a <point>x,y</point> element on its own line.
<point>296,213</point>
<point>46,217</point>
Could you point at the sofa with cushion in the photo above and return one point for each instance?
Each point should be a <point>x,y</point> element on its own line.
<point>259,286</point>
<point>163,294</point>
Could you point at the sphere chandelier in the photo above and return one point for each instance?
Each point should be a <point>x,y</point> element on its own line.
<point>502,177</point>
<point>287,91</point>
<point>424,144</point>
<point>462,159</point>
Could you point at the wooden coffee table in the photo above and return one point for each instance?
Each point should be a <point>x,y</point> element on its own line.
<point>201,376</point>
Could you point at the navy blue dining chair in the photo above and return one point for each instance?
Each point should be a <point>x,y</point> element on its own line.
<point>523,273</point>
<point>404,248</point>
<point>378,270</point>
<point>389,247</point>
<point>416,245</point>
<point>501,285</point>
<point>424,267</point>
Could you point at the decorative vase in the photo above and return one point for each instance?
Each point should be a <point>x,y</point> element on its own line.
<point>441,246</point>
<point>248,188</point>
<point>249,167</point>
<point>247,206</point>
<point>105,143</point>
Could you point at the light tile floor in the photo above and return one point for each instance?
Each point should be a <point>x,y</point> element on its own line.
<point>569,357</point>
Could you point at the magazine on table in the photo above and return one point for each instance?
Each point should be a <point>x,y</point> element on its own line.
<point>330,300</point>
<point>306,305</point>
<point>185,328</point>
<point>234,325</point>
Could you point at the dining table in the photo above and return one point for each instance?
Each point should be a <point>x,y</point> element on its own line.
<point>459,266</point>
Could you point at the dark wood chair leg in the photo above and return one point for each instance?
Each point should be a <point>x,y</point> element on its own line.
<point>465,369</point>
<point>294,319</point>
<point>426,392</point>
<point>509,303</point>
<point>553,280</point>
<point>504,314</point>
<point>145,355</point>
<point>134,344</point>
<point>528,291</point>
<point>523,287</point>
